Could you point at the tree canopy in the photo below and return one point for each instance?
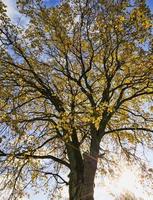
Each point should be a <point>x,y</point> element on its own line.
<point>76,91</point>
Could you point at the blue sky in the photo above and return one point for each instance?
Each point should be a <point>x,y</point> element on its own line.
<point>150,3</point>
<point>51,2</point>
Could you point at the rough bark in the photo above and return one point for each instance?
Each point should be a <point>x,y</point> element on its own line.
<point>83,167</point>
<point>81,185</point>
<point>82,182</point>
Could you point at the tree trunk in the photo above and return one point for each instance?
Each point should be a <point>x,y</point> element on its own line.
<point>83,170</point>
<point>82,188</point>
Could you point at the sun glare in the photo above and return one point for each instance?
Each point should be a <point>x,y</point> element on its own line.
<point>126,179</point>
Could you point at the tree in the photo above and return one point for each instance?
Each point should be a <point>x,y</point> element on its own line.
<point>73,85</point>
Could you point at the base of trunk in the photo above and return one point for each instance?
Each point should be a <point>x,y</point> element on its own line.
<point>82,192</point>
<point>82,184</point>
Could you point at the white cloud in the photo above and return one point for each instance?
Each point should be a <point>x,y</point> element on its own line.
<point>11,8</point>
<point>14,14</point>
